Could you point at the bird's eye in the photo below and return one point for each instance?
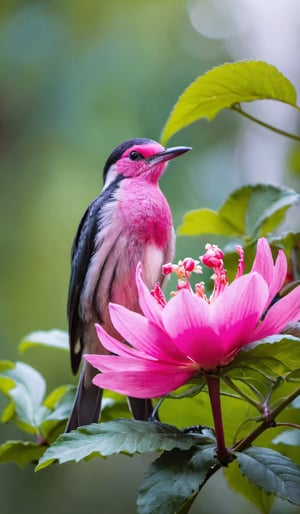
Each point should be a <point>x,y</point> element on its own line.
<point>135,156</point>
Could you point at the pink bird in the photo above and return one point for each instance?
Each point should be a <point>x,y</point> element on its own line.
<point>129,222</point>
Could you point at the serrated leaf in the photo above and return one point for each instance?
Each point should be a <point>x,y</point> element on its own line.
<point>224,86</point>
<point>26,395</point>
<point>51,338</point>
<point>173,481</point>
<point>121,436</point>
<point>239,483</point>
<point>20,452</point>
<point>250,212</point>
<point>271,471</point>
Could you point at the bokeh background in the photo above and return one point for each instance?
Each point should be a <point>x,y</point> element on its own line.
<point>76,79</point>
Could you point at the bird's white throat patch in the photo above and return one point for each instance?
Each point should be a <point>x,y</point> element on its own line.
<point>152,264</point>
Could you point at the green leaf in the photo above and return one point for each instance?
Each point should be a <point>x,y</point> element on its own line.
<point>26,395</point>
<point>53,399</point>
<point>173,481</point>
<point>294,376</point>
<point>122,436</point>
<point>239,483</point>
<point>6,384</point>
<point>289,241</point>
<point>268,438</point>
<point>51,338</point>
<point>224,86</point>
<point>62,408</point>
<point>276,356</point>
<point>271,471</point>
<point>20,452</point>
<point>287,445</point>
<point>60,401</point>
<point>205,221</point>
<point>8,412</point>
<point>6,365</point>
<point>249,212</point>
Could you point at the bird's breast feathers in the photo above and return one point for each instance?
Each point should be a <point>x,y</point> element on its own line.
<point>144,213</point>
<point>136,230</point>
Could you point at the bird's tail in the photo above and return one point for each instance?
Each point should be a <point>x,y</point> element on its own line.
<point>87,404</point>
<point>140,409</point>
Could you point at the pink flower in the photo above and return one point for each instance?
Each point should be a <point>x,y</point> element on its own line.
<point>175,340</point>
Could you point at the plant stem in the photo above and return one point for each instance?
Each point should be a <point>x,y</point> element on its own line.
<point>239,110</point>
<point>242,394</point>
<point>290,425</point>
<point>268,422</point>
<point>215,401</point>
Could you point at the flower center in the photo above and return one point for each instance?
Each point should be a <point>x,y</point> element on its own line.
<point>213,258</point>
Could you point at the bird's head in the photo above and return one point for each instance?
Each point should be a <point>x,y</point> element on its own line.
<point>142,158</point>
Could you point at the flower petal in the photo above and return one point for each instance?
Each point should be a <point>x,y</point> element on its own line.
<point>113,345</point>
<point>144,334</point>
<point>274,275</point>
<point>149,305</point>
<point>279,315</point>
<point>119,364</point>
<point>263,262</point>
<point>238,309</point>
<point>187,319</point>
<point>279,275</point>
<point>208,333</point>
<point>183,311</point>
<point>152,383</point>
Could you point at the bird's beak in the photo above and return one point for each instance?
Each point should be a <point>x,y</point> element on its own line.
<point>168,154</point>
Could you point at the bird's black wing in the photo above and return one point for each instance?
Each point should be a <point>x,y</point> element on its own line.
<point>82,251</point>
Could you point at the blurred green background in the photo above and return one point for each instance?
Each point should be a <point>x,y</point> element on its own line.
<point>77,78</point>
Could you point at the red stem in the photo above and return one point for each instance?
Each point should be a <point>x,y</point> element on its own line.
<point>215,401</point>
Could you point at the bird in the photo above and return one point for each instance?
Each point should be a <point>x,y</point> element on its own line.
<point>129,222</point>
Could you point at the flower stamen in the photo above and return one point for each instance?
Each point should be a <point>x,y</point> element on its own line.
<point>159,295</point>
<point>183,270</point>
<point>241,262</point>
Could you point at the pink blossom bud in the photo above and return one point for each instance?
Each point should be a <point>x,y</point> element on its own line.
<point>168,268</point>
<point>213,258</point>
<point>189,264</point>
